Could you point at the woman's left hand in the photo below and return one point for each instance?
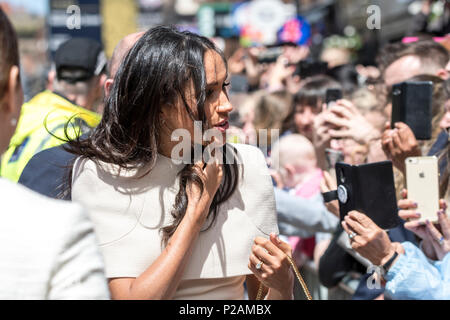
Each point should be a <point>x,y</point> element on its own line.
<point>368,239</point>
<point>274,267</point>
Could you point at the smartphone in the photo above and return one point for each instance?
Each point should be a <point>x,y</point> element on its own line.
<point>368,188</point>
<point>411,104</point>
<point>332,95</point>
<point>422,182</point>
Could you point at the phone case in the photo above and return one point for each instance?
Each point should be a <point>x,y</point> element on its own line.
<point>411,104</point>
<point>368,188</point>
<point>422,182</point>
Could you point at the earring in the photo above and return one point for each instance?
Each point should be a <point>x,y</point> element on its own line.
<point>13,122</point>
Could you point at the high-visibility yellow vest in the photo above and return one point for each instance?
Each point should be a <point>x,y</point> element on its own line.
<point>41,126</point>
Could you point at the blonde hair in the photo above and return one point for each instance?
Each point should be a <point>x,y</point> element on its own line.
<point>291,149</point>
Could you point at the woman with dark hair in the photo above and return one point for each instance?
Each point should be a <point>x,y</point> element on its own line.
<point>307,104</point>
<point>172,225</point>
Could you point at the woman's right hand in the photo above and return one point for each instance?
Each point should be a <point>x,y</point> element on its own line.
<point>211,176</point>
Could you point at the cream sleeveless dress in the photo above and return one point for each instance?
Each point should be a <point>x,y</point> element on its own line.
<point>128,213</point>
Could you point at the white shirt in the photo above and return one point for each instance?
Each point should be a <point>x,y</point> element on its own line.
<point>128,213</point>
<point>48,248</point>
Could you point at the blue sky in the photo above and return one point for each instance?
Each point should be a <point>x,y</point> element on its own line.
<point>34,6</point>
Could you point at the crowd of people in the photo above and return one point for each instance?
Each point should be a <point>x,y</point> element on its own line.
<point>174,171</point>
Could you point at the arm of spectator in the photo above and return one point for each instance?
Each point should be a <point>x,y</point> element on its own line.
<point>414,277</point>
<point>399,143</point>
<point>303,217</point>
<point>79,269</point>
<point>280,72</point>
<point>323,240</point>
<point>252,70</point>
<point>411,275</point>
<point>321,137</point>
<point>335,263</point>
<point>430,278</point>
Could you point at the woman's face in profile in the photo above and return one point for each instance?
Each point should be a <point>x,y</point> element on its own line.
<point>217,105</point>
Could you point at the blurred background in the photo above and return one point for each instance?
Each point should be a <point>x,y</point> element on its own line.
<point>43,25</point>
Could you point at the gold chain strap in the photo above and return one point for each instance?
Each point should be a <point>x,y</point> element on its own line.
<point>299,277</point>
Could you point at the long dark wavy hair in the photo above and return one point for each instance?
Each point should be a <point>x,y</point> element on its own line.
<point>155,74</point>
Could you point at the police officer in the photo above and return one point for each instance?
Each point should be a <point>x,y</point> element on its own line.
<point>77,91</point>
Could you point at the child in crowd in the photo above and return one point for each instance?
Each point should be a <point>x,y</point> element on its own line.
<point>294,161</point>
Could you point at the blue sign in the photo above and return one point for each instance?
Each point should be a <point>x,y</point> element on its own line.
<point>296,30</point>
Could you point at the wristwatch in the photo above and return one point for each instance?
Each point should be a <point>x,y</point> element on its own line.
<point>385,267</point>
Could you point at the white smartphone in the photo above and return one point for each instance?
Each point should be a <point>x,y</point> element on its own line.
<point>422,182</point>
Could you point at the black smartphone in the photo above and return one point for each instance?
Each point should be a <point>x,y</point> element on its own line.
<point>309,68</point>
<point>332,95</point>
<point>368,188</point>
<point>412,105</point>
